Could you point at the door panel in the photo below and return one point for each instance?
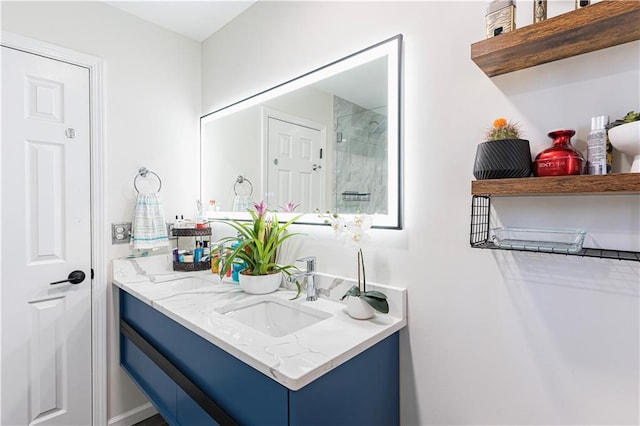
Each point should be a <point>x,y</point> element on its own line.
<point>46,234</point>
<point>295,172</point>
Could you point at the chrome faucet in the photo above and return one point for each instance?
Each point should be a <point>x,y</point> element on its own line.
<point>309,275</point>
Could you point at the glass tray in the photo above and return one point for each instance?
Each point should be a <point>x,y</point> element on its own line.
<point>544,240</point>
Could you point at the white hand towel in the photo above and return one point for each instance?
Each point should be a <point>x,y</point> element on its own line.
<point>148,230</point>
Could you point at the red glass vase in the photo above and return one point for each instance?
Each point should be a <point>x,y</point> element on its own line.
<point>560,159</point>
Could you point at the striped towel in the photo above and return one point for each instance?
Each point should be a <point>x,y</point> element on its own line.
<point>148,230</point>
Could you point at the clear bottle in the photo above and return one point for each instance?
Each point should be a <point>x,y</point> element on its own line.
<point>597,146</point>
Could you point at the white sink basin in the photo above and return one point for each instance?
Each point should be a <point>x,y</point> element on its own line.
<point>273,316</point>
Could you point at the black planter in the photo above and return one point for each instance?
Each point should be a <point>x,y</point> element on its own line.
<point>506,158</point>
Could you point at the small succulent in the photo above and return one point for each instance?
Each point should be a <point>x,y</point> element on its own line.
<point>629,118</point>
<point>503,130</point>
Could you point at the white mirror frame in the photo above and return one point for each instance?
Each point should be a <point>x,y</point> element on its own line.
<point>392,49</point>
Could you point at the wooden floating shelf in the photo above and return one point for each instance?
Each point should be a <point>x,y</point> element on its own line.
<point>582,184</point>
<point>591,28</point>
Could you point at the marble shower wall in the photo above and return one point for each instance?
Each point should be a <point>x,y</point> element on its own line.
<point>360,158</point>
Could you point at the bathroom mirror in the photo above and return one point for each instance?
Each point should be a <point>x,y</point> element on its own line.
<point>328,140</point>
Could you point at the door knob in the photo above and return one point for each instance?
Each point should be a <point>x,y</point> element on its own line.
<point>75,277</point>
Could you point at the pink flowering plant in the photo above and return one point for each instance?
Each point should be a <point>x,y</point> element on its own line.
<point>354,231</point>
<point>258,242</point>
<point>290,207</point>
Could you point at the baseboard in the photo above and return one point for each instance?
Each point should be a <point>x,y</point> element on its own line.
<point>133,416</point>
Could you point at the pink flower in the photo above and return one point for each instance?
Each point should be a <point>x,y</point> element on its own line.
<point>289,207</point>
<point>261,209</point>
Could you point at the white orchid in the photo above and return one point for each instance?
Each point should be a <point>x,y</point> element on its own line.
<point>355,232</point>
<point>358,228</point>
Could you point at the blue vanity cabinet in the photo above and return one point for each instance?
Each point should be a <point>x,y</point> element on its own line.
<point>244,394</point>
<point>189,379</point>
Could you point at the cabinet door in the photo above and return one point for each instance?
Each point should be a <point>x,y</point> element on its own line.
<point>153,382</point>
<point>244,393</point>
<point>189,413</point>
<point>155,327</point>
<point>363,391</point>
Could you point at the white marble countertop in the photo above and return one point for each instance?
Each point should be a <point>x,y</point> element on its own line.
<point>293,360</point>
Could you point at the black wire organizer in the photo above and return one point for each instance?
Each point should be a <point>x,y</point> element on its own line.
<point>196,233</point>
<point>479,236</point>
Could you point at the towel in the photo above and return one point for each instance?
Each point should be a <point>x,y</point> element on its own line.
<point>148,229</point>
<point>241,203</point>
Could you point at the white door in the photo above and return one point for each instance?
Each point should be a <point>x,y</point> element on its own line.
<point>46,235</point>
<point>295,168</point>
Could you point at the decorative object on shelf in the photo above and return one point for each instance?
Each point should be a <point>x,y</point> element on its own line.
<point>625,137</point>
<point>560,159</point>
<point>542,240</point>
<point>257,247</point>
<point>354,231</point>
<point>500,17</point>
<point>598,147</point>
<point>582,3</point>
<point>504,154</point>
<point>539,10</point>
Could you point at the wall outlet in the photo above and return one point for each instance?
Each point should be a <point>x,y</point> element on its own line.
<point>120,233</point>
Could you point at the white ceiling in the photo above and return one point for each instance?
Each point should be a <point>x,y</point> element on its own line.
<point>194,19</point>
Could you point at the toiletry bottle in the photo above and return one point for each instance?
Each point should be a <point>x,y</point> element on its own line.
<point>205,250</point>
<point>214,256</point>
<point>197,253</point>
<point>597,146</point>
<point>212,207</point>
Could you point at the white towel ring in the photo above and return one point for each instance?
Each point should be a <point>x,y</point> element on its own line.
<point>143,171</point>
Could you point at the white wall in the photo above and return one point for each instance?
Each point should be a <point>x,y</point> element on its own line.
<point>493,337</point>
<point>152,106</point>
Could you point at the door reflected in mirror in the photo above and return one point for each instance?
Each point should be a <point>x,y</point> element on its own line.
<point>326,141</point>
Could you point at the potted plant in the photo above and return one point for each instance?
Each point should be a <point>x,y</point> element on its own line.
<point>361,302</point>
<point>624,135</point>
<point>503,154</point>
<point>256,248</point>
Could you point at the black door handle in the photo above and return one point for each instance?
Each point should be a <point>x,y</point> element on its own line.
<point>76,277</point>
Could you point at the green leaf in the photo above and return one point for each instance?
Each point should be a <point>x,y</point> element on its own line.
<point>353,291</point>
<point>375,294</point>
<point>379,305</point>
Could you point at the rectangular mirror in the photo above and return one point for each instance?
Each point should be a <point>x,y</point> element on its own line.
<point>328,140</point>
